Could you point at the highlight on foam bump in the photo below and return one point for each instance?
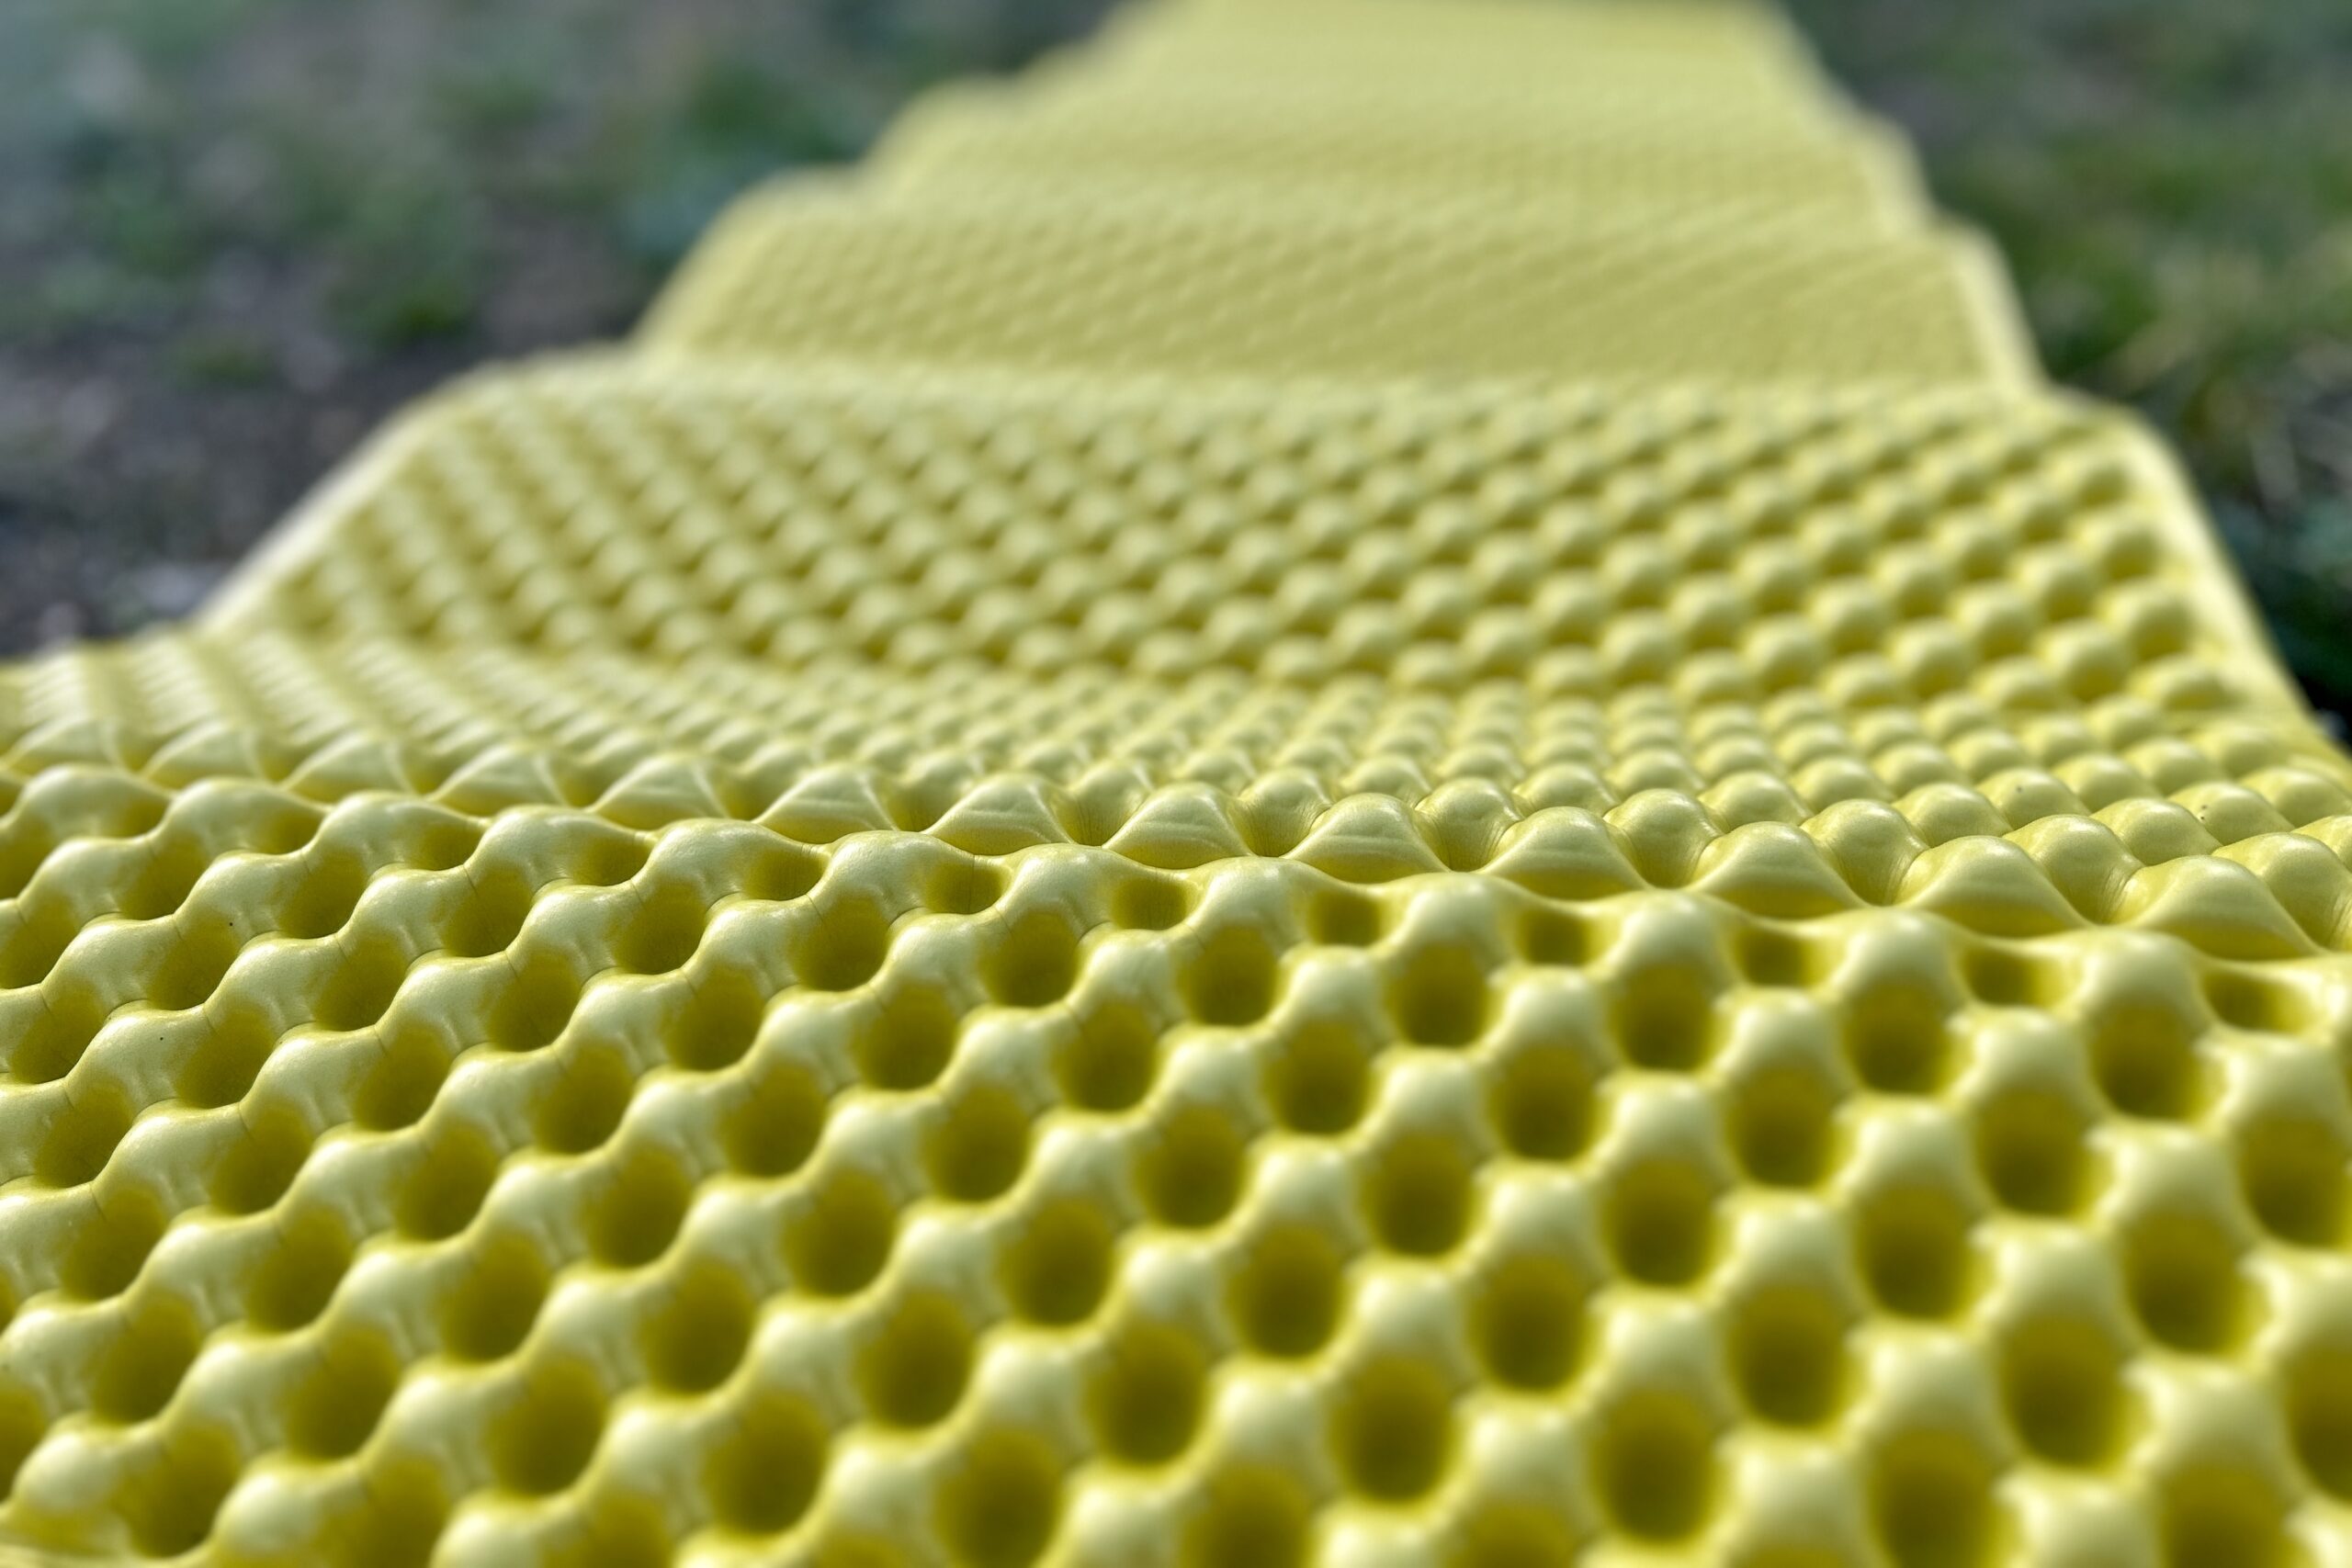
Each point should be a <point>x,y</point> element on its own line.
<point>1362,782</point>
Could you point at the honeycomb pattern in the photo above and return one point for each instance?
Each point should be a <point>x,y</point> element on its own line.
<point>542,1185</point>
<point>1224,913</point>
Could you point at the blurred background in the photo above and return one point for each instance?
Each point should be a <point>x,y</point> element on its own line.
<point>234,233</point>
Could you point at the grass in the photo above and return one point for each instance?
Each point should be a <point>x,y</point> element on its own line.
<point>240,230</point>
<point>2172,181</point>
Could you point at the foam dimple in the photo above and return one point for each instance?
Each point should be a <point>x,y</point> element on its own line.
<point>1652,1466</point>
<point>1931,1500</point>
<point>913,1369</point>
<point>1530,1320</point>
<point>1148,1396</point>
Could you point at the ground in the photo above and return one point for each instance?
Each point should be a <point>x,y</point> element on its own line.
<point>237,232</point>
<point>2172,181</point>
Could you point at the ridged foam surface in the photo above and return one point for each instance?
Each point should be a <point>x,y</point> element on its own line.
<point>1093,873</point>
<point>1405,107</point>
<point>1375,150</point>
<point>1117,282</point>
<point>1473,50</point>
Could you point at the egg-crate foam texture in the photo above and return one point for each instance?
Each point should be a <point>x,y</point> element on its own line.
<point>1735,48</point>
<point>1138,285</point>
<point>1577,93</point>
<point>581,1109</point>
<point>1858,182</point>
<point>1881,546</point>
<point>1402,86</point>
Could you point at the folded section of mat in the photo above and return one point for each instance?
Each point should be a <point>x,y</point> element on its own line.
<point>1403,104</point>
<point>1473,40</point>
<point>1134,283</point>
<point>554,1107</point>
<point>1361,783</point>
<point>1877,546</point>
<point>1402,155</point>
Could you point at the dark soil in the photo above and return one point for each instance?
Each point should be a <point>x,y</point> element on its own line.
<point>239,232</point>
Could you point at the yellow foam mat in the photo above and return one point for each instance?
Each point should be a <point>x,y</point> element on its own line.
<point>1682,92</point>
<point>1069,908</point>
<point>1581,99</point>
<point>1893,546</point>
<point>1493,40</point>
<point>1678,93</point>
<point>559,1102</point>
<point>1425,100</point>
<point>1136,283</point>
<point>532,1187</point>
<point>1856,183</point>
